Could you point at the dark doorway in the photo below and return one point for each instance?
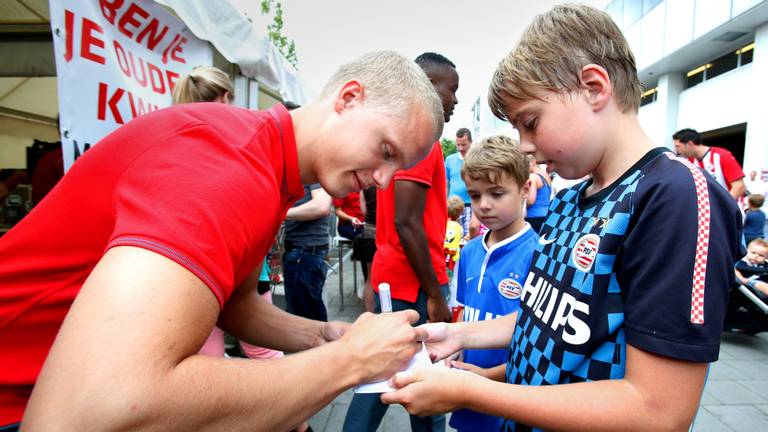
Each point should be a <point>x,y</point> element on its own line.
<point>731,138</point>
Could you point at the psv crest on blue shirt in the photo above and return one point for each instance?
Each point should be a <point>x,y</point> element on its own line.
<point>510,288</point>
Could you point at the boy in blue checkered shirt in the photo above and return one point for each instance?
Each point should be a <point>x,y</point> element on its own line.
<point>619,316</point>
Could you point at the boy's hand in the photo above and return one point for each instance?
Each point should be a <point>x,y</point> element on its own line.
<point>333,330</point>
<point>437,310</point>
<point>469,367</point>
<point>441,342</point>
<point>382,344</point>
<point>429,391</point>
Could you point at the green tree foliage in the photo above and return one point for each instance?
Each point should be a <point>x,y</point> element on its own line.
<point>449,146</point>
<point>287,47</point>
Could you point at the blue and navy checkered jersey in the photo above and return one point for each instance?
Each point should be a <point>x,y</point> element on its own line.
<point>647,261</point>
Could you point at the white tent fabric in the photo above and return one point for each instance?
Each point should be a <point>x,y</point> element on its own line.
<point>238,41</point>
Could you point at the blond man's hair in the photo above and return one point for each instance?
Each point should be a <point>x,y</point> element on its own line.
<point>455,207</point>
<point>554,49</point>
<point>756,200</point>
<point>393,85</point>
<point>494,159</point>
<point>203,84</point>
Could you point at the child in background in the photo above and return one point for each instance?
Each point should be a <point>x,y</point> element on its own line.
<point>492,270</point>
<point>351,217</point>
<point>539,197</point>
<point>613,333</point>
<point>754,218</point>
<point>752,270</point>
<point>453,233</point>
<point>454,240</point>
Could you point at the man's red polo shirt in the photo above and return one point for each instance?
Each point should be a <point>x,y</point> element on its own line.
<point>390,263</point>
<point>205,185</point>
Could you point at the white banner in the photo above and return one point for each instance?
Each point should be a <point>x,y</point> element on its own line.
<point>116,60</point>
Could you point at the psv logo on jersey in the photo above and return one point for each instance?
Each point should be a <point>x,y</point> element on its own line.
<point>585,251</point>
<point>510,288</point>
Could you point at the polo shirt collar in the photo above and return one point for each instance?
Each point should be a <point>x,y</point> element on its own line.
<point>291,165</point>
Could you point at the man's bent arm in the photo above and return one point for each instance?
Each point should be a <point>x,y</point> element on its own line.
<point>317,207</point>
<point>737,189</point>
<point>125,359</point>
<point>251,319</point>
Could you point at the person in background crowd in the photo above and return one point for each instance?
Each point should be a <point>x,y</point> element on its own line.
<point>454,181</point>
<point>350,215</point>
<point>717,161</point>
<point>754,218</point>
<point>364,245</point>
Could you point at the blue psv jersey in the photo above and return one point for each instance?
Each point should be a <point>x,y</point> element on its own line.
<point>489,284</point>
<point>646,261</point>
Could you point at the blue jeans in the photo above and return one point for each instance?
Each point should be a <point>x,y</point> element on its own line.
<point>304,270</point>
<point>366,409</point>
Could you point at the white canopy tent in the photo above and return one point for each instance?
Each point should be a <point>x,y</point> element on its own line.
<point>28,84</point>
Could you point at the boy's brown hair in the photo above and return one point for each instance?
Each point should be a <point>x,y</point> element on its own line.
<point>758,242</point>
<point>455,207</point>
<point>554,49</point>
<point>755,200</point>
<point>495,158</point>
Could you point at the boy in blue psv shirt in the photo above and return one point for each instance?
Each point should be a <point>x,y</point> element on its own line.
<point>492,268</point>
<point>619,318</point>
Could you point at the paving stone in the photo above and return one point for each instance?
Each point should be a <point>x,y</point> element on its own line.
<point>706,422</point>
<point>733,393</point>
<point>741,417</point>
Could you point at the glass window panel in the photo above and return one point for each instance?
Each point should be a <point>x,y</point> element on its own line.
<point>723,65</point>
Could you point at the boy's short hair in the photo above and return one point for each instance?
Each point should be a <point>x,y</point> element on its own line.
<point>758,242</point>
<point>203,84</point>
<point>455,207</point>
<point>554,49</point>
<point>393,84</point>
<point>756,200</point>
<point>687,134</point>
<point>494,158</point>
<point>464,132</point>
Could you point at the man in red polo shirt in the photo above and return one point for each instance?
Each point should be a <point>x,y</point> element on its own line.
<point>410,231</point>
<point>112,283</point>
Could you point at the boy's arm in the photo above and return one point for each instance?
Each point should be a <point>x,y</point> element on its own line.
<point>496,373</point>
<point>126,358</point>
<point>445,339</point>
<point>657,393</point>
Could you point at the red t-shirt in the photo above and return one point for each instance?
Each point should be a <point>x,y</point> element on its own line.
<point>205,185</point>
<point>721,165</point>
<point>390,263</point>
<point>350,205</point>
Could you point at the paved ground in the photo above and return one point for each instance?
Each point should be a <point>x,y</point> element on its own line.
<point>735,398</point>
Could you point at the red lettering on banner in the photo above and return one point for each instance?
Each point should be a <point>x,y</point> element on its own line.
<point>156,79</point>
<point>113,100</point>
<point>110,103</point>
<point>69,28</point>
<point>143,80</point>
<point>122,59</point>
<point>151,31</point>
<point>179,49</point>
<point>109,9</point>
<point>142,109</point>
<point>172,77</point>
<point>88,40</point>
<point>129,18</point>
<point>168,48</point>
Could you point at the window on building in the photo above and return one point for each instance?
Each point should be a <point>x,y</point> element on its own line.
<point>633,11</point>
<point>649,96</point>
<point>719,66</point>
<point>745,54</point>
<point>695,76</point>
<point>723,64</point>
